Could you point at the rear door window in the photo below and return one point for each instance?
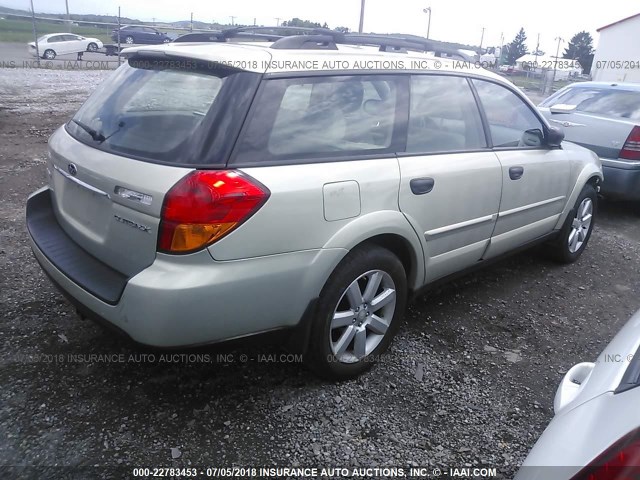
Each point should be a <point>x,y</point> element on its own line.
<point>443,116</point>
<point>318,117</point>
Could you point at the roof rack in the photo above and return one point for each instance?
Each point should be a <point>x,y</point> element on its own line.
<point>294,38</point>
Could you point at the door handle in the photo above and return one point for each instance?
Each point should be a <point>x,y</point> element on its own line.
<point>515,173</point>
<point>420,186</point>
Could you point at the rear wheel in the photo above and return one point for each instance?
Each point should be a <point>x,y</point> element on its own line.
<point>49,54</point>
<point>358,313</point>
<point>577,229</point>
<point>129,40</point>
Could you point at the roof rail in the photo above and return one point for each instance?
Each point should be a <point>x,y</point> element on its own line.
<point>325,39</point>
<point>307,42</point>
<point>401,43</point>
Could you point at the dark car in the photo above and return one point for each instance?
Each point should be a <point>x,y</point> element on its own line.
<point>138,34</point>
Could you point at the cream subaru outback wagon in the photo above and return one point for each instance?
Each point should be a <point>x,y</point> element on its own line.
<point>308,184</point>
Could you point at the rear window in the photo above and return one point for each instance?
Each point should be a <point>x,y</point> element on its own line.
<point>613,103</point>
<point>174,111</point>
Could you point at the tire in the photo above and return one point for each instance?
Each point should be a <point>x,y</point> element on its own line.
<point>576,231</point>
<point>92,47</point>
<point>49,54</point>
<point>128,40</point>
<point>166,40</point>
<point>348,332</point>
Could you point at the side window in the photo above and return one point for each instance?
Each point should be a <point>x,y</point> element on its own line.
<point>321,117</point>
<point>56,39</point>
<point>443,115</point>
<point>511,121</point>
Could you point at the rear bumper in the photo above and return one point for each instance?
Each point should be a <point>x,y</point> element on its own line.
<point>621,179</point>
<point>186,300</point>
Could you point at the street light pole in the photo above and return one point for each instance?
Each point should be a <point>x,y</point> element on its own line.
<point>555,64</point>
<point>361,16</point>
<point>428,10</point>
<point>481,39</point>
<point>35,35</point>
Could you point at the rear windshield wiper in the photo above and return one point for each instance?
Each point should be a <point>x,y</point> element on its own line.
<point>95,135</point>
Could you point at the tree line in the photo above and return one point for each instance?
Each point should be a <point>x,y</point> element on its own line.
<point>580,48</point>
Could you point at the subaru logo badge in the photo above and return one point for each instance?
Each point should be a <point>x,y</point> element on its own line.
<point>73,170</point>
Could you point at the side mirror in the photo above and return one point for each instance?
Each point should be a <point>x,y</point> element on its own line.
<point>562,108</point>
<point>555,136</point>
<point>532,138</point>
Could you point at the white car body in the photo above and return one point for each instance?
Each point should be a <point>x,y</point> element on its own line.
<point>63,44</point>
<point>596,405</point>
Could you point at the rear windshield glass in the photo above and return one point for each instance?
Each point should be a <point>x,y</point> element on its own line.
<point>613,103</point>
<point>162,111</point>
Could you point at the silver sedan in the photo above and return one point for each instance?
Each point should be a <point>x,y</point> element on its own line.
<point>605,118</point>
<point>595,433</point>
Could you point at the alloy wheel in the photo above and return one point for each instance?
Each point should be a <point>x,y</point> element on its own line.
<point>362,316</point>
<point>580,225</point>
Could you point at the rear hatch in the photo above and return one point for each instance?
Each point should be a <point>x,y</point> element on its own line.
<point>153,121</point>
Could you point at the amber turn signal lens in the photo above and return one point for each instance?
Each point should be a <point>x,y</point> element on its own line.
<point>189,237</point>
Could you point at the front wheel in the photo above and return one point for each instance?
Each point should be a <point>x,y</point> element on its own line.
<point>128,40</point>
<point>358,313</point>
<point>49,54</point>
<point>577,229</point>
<point>92,47</point>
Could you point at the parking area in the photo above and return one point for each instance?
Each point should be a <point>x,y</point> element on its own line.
<point>469,380</point>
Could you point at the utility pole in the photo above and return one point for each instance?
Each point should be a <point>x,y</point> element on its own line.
<point>501,48</point>
<point>35,35</point>
<point>233,20</point>
<point>537,50</point>
<point>118,36</point>
<point>361,16</point>
<point>191,24</point>
<point>66,2</point>
<point>481,39</point>
<point>254,21</point>
<point>277,21</point>
<point>555,64</point>
<point>428,10</point>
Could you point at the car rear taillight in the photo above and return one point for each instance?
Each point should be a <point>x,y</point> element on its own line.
<point>631,148</point>
<point>621,461</point>
<point>206,205</point>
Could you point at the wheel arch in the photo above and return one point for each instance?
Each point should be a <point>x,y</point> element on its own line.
<point>390,230</point>
<point>591,174</point>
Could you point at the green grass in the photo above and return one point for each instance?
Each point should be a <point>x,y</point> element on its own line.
<point>22,31</point>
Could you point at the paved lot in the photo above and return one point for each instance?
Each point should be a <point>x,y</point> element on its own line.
<point>469,380</point>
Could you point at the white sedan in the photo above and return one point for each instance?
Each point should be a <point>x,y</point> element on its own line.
<point>595,433</point>
<point>54,44</point>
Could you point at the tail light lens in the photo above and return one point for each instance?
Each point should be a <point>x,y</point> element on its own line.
<point>631,148</point>
<point>205,206</point>
<point>621,461</point>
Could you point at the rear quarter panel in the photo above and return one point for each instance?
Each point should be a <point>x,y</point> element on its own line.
<point>296,216</point>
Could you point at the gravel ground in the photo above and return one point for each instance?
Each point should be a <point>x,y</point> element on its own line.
<point>469,380</point>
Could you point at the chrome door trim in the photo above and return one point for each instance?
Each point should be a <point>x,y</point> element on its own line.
<point>530,206</point>
<point>80,182</point>
<point>457,226</point>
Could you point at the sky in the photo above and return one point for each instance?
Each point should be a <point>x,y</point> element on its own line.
<point>452,20</point>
